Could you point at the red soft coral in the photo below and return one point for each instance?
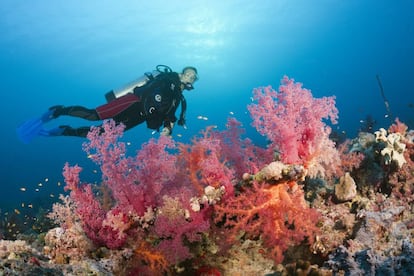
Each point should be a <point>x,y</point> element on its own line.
<point>277,214</point>
<point>203,164</point>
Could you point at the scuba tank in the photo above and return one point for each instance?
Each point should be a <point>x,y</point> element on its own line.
<point>139,82</point>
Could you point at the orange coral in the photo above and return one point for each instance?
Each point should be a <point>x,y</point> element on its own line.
<point>155,260</point>
<point>204,163</point>
<point>277,214</point>
<point>192,157</point>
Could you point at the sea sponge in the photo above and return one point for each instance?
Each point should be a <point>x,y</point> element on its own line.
<point>394,148</point>
<point>346,189</point>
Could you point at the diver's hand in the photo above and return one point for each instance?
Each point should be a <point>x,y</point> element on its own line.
<point>181,122</point>
<point>165,132</point>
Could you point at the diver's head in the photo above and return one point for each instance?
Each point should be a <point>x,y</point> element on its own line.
<point>188,77</point>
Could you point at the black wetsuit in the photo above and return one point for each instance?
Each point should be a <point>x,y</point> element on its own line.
<point>156,103</point>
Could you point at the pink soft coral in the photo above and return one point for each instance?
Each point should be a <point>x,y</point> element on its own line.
<point>241,154</point>
<point>89,210</point>
<point>292,120</point>
<point>177,225</point>
<point>398,127</point>
<point>133,183</point>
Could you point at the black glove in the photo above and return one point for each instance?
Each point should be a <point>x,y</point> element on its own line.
<point>181,122</point>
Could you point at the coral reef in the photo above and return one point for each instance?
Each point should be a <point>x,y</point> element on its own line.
<point>221,205</point>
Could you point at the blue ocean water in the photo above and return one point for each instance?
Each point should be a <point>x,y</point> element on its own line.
<point>73,52</point>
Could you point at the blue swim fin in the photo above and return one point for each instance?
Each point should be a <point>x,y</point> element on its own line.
<point>33,127</point>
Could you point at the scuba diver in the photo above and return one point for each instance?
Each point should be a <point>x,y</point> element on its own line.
<point>153,98</point>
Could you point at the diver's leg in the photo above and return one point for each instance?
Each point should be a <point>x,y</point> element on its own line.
<point>75,111</point>
<point>65,131</point>
<point>79,132</point>
<point>83,131</point>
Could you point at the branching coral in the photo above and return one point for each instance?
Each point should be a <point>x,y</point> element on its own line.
<point>203,163</point>
<point>241,154</point>
<point>277,214</point>
<point>293,121</point>
<point>155,260</point>
<point>134,184</point>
